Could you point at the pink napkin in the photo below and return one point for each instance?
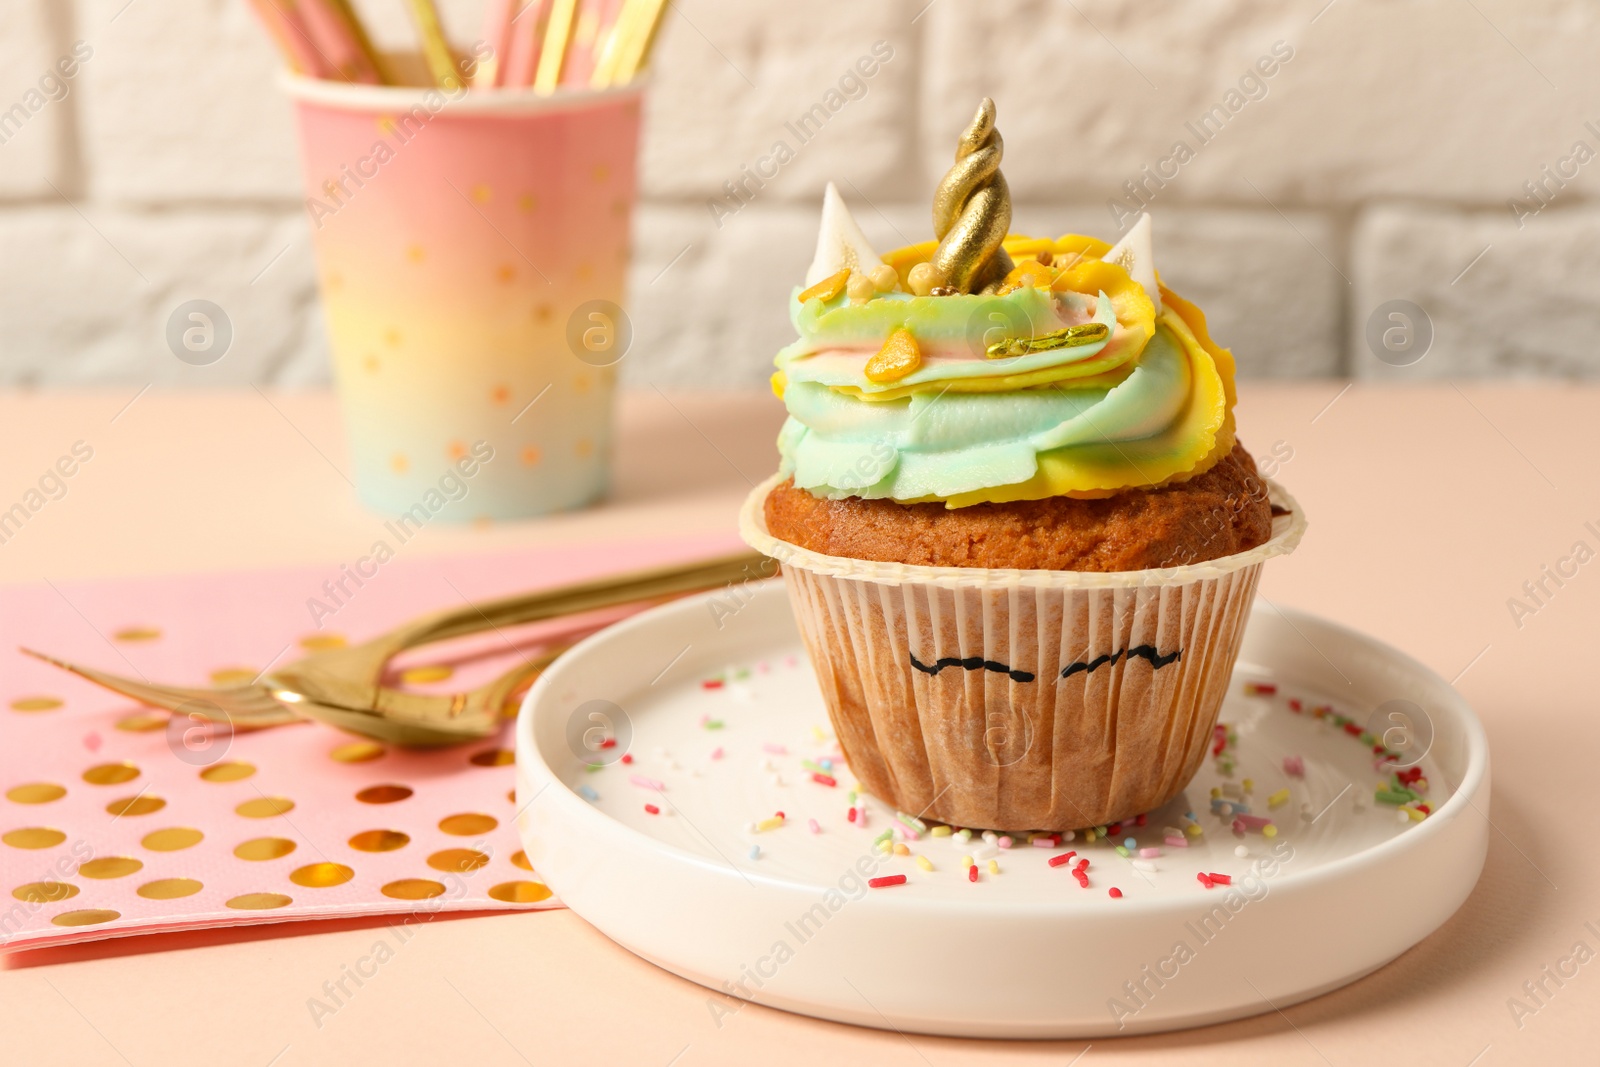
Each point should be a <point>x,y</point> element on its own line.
<point>116,821</point>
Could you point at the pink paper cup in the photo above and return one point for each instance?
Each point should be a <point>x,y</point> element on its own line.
<point>471,248</point>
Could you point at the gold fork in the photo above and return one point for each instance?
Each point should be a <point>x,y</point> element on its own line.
<point>342,686</point>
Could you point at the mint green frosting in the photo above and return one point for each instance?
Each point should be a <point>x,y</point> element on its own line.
<point>939,444</point>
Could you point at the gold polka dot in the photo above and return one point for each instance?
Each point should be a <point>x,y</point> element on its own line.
<point>357,752</point>
<point>435,672</point>
<point>505,273</point>
<point>264,848</point>
<point>468,824</point>
<point>399,463</point>
<point>86,918</point>
<point>370,364</point>
<point>109,867</point>
<point>379,840</point>
<point>391,337</point>
<point>482,193</point>
<point>493,757</point>
<point>413,889</point>
<point>520,892</point>
<point>233,676</point>
<point>458,860</point>
<point>456,449</point>
<point>137,633</point>
<point>619,207</point>
<point>322,642</point>
<point>585,271</point>
<point>544,313</point>
<point>531,455</point>
<point>260,901</point>
<point>143,722</point>
<point>321,875</point>
<point>172,839</point>
<point>264,807</point>
<point>111,773</point>
<point>386,124</point>
<point>416,253</point>
<point>482,522</point>
<point>527,202</point>
<point>334,282</point>
<point>584,448</point>
<point>139,805</point>
<point>519,858</point>
<point>33,837</point>
<point>35,793</point>
<point>500,394</point>
<point>231,771</point>
<point>600,173</point>
<point>45,892</point>
<point>383,794</point>
<point>511,796</point>
<point>35,704</point>
<point>170,888</point>
<point>581,384</point>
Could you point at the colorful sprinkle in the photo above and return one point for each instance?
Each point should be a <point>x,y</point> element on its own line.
<point>711,683</point>
<point>646,783</point>
<point>1259,689</point>
<point>1220,879</point>
<point>1065,857</point>
<point>1204,880</point>
<point>712,724</point>
<point>716,753</point>
<point>925,863</point>
<point>823,779</point>
<point>769,824</point>
<point>1278,799</point>
<point>851,815</point>
<point>994,866</point>
<point>755,852</point>
<point>1176,840</point>
<point>814,826</point>
<point>652,809</point>
<point>1149,853</point>
<point>774,748</point>
<point>887,880</point>
<point>940,831</point>
<point>627,757</point>
<point>972,873</point>
<point>1116,894</point>
<point>900,849</point>
<point>588,794</point>
<point>1004,841</point>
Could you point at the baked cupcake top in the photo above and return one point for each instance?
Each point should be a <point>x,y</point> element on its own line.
<point>985,366</point>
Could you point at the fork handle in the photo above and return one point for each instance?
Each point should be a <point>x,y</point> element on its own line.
<point>577,598</point>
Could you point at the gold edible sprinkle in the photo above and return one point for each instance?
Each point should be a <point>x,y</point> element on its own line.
<point>898,357</point>
<point>1087,333</point>
<point>827,288</point>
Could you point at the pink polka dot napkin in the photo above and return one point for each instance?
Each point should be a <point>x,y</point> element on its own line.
<point>116,820</point>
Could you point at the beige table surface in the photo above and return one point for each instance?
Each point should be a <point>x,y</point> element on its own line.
<point>1430,507</point>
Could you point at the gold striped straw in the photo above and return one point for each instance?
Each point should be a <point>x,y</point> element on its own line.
<point>641,35</point>
<point>606,62</point>
<point>435,49</point>
<point>556,37</point>
<point>358,33</point>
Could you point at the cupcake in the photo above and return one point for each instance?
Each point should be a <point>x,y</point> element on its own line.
<point>1019,534</point>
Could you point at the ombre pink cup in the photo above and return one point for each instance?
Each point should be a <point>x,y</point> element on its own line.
<point>471,248</point>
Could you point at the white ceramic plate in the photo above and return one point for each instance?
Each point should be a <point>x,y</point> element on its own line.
<point>1023,953</point>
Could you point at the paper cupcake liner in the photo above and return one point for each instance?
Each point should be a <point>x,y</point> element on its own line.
<point>1017,699</point>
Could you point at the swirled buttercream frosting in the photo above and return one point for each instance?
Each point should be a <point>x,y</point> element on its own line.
<point>1070,371</point>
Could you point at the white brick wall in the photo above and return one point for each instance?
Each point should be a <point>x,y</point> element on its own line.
<point>1374,163</point>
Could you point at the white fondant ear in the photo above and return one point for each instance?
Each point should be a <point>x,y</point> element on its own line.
<point>1133,255</point>
<point>840,242</point>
